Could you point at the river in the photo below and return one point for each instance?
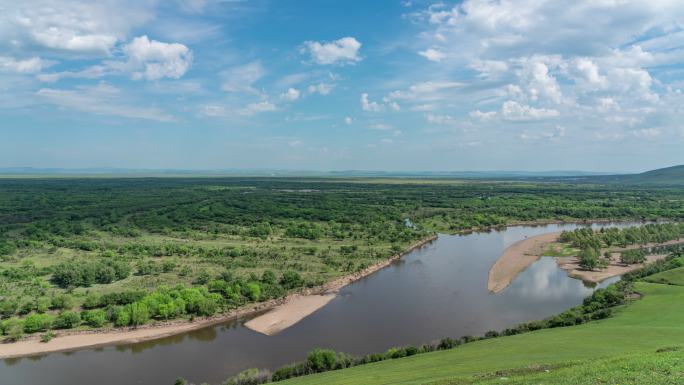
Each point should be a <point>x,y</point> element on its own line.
<point>439,290</point>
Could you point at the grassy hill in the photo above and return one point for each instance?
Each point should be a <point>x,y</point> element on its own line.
<point>669,176</point>
<point>640,345</point>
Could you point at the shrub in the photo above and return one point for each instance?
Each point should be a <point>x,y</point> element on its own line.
<point>250,377</point>
<point>8,307</point>
<point>94,318</point>
<point>62,301</point>
<point>291,280</point>
<point>66,320</point>
<point>38,323</point>
<point>320,360</point>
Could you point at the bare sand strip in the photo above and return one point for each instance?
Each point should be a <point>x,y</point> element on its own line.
<point>283,316</point>
<point>291,310</point>
<point>516,258</point>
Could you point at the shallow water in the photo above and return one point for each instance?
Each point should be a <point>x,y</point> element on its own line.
<point>437,291</point>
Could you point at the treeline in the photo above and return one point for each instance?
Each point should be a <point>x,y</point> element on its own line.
<point>587,237</point>
<point>136,308</point>
<point>598,305</point>
<point>590,242</point>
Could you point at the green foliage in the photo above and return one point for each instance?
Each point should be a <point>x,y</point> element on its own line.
<point>66,320</point>
<point>38,323</point>
<point>94,318</point>
<point>589,258</point>
<point>633,256</point>
<point>88,273</point>
<point>291,280</point>
<point>250,377</point>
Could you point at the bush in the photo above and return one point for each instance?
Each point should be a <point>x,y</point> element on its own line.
<point>250,377</point>
<point>120,316</point>
<point>87,273</point>
<point>8,307</point>
<point>38,323</point>
<point>62,302</point>
<point>291,280</point>
<point>67,320</point>
<point>94,318</point>
<point>320,360</point>
<point>92,300</point>
<point>13,328</point>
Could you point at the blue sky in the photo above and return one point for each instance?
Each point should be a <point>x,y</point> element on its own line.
<point>333,85</point>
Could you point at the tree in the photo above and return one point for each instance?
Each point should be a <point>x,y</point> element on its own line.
<point>588,258</point>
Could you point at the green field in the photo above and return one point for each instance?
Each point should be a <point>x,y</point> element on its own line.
<point>639,345</point>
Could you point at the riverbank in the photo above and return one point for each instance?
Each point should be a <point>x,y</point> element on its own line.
<point>520,255</point>
<point>299,307</point>
<point>291,306</point>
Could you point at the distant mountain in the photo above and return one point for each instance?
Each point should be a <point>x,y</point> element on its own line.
<point>665,176</point>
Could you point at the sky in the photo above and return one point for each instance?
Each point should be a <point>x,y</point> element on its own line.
<point>407,85</point>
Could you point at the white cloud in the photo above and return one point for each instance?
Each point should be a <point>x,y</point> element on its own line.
<point>432,54</point>
<point>213,111</point>
<point>242,78</point>
<point>439,119</point>
<point>367,105</point>
<point>84,27</point>
<point>483,116</point>
<point>425,91</point>
<point>647,133</point>
<point>321,88</point>
<point>290,95</point>
<point>381,127</point>
<point>295,143</point>
<point>341,51</point>
<point>348,120</point>
<point>386,141</point>
<point>553,135</point>
<point>102,99</point>
<point>512,110</point>
<point>257,108</point>
<point>154,60</point>
<point>26,66</point>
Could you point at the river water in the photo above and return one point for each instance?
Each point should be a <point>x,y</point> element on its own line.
<point>439,290</point>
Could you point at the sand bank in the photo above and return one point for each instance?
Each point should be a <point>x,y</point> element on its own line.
<point>283,316</point>
<point>516,258</point>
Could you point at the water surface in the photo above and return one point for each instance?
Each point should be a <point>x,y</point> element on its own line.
<point>437,291</point>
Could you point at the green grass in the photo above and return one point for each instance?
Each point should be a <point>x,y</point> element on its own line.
<point>626,340</point>
<point>670,277</point>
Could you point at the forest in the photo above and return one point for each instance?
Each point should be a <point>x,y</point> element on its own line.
<point>91,253</point>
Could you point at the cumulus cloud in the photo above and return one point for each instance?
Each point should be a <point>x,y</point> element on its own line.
<point>432,54</point>
<point>368,105</point>
<point>341,51</point>
<point>348,120</point>
<point>154,60</point>
<point>84,27</point>
<point>512,110</point>
<point>290,95</point>
<point>26,66</point>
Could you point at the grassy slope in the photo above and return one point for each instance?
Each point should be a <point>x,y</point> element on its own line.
<point>655,322</point>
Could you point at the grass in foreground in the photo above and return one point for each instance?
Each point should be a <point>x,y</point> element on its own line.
<point>613,351</point>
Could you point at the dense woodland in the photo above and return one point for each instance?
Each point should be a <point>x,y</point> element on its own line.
<point>77,253</point>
